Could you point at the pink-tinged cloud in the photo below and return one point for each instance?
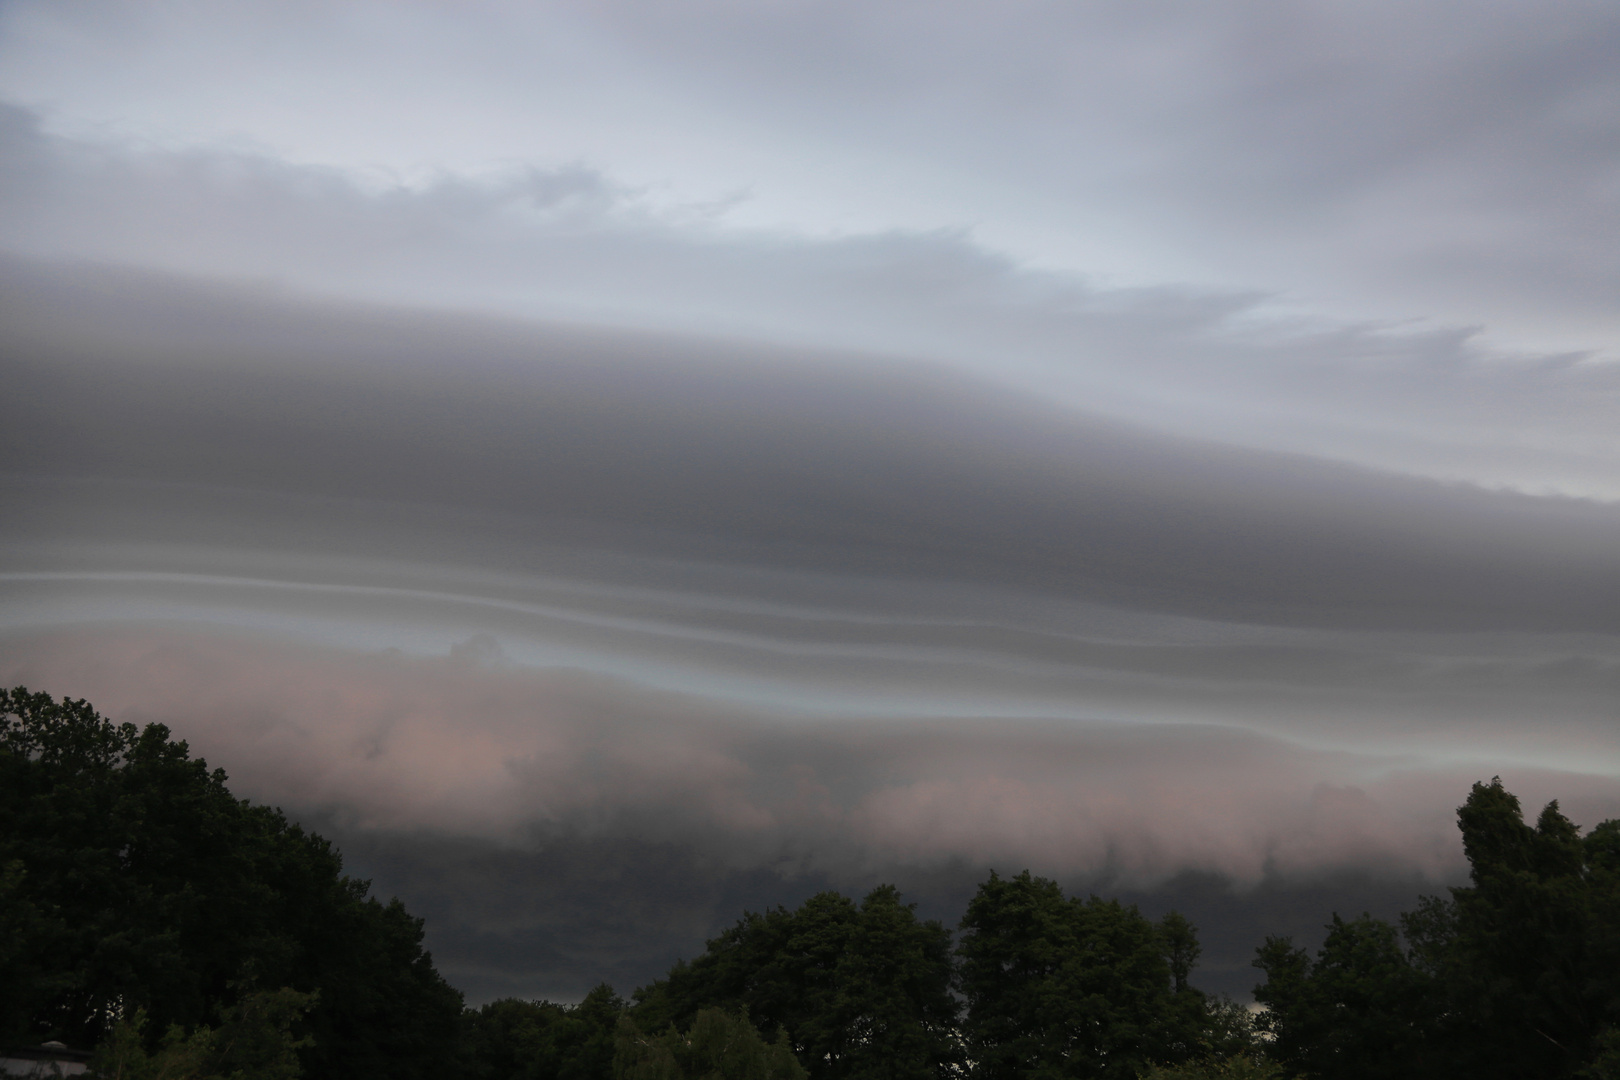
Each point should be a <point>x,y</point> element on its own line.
<point>472,746</point>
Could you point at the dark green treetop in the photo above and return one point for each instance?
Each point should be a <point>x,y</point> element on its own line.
<point>1515,975</point>
<point>1065,987</point>
<point>862,990</point>
<point>132,879</point>
<point>718,1046</point>
<point>513,1039</point>
<point>1359,1010</point>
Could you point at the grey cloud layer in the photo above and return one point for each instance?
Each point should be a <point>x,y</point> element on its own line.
<point>457,747</point>
<point>533,597</point>
<point>806,538</point>
<point>1471,156</point>
<point>672,446</point>
<point>1385,160</point>
<point>570,245</point>
<point>559,827</point>
<point>778,541</point>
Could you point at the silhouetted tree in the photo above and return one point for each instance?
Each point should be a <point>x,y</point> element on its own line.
<point>1360,1010</point>
<point>1529,952</point>
<point>1515,975</point>
<point>540,1040</point>
<point>255,1040</point>
<point>862,991</point>
<point>718,1046</point>
<point>1059,987</point>
<point>132,879</point>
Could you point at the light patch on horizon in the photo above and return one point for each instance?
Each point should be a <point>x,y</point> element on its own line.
<point>468,745</point>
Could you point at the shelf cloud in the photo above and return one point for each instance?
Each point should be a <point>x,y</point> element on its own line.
<point>609,468</point>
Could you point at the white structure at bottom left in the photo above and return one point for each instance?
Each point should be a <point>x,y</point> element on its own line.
<point>45,1060</point>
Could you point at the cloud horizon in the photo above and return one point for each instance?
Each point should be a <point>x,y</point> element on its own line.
<point>642,464</point>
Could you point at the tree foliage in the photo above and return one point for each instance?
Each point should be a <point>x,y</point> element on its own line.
<point>255,1040</point>
<point>1516,974</point>
<point>718,1046</point>
<point>132,882</point>
<point>1361,1009</point>
<point>861,990</point>
<point>540,1040</point>
<point>1244,1066</point>
<point>196,936</point>
<point>1065,987</point>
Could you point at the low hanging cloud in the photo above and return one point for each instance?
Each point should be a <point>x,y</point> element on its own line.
<point>466,746</point>
<point>559,827</point>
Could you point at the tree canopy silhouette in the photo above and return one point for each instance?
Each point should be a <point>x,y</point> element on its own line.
<point>1516,974</point>
<point>191,934</point>
<point>132,879</point>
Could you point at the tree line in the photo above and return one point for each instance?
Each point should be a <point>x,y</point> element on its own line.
<point>184,933</point>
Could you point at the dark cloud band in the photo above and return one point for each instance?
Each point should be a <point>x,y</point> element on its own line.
<point>665,447</point>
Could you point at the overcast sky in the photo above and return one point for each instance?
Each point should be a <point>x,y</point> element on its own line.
<point>614,463</point>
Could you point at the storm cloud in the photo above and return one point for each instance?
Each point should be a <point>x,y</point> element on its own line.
<point>1171,448</point>
<point>569,246</point>
<point>815,616</point>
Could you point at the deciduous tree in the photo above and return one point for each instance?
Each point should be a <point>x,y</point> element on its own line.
<point>1059,987</point>
<point>861,990</point>
<point>132,879</point>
